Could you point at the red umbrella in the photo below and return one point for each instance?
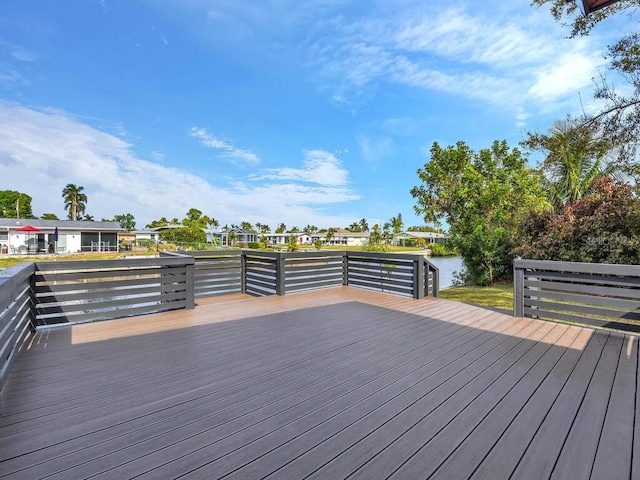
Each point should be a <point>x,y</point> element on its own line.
<point>28,228</point>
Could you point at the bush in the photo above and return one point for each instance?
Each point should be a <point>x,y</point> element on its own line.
<point>254,245</point>
<point>601,228</point>
<point>442,250</point>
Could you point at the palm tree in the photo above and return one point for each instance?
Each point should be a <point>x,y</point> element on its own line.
<point>397,224</point>
<point>364,225</point>
<point>354,227</point>
<point>330,234</point>
<point>281,228</point>
<point>75,200</point>
<point>575,156</point>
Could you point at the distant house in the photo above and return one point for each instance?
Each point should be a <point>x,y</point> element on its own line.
<point>409,237</point>
<point>149,234</point>
<point>240,237</point>
<point>342,237</point>
<point>73,236</point>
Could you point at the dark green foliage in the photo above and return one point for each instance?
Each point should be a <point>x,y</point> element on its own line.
<point>601,228</point>
<point>12,201</point>
<point>253,245</point>
<point>483,197</point>
<point>126,221</point>
<point>442,250</point>
<point>186,234</point>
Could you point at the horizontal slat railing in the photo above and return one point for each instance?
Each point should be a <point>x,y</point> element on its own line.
<point>89,290</point>
<point>275,273</point>
<point>312,270</point>
<point>16,313</point>
<point>402,274</point>
<point>598,295</point>
<point>217,272</point>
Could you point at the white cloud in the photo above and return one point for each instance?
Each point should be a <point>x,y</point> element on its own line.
<point>227,148</point>
<point>319,167</point>
<point>41,151</point>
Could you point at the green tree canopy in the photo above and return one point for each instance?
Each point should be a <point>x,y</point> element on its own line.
<point>75,200</point>
<point>126,221</point>
<point>483,196</point>
<point>185,234</point>
<point>281,228</point>
<point>162,222</point>
<point>13,203</point>
<point>49,216</point>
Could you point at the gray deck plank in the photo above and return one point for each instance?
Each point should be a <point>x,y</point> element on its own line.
<point>511,445</point>
<point>542,382</point>
<point>263,433</point>
<point>578,453</point>
<point>540,457</point>
<point>427,458</point>
<point>336,383</point>
<point>442,405</point>
<point>613,458</point>
<point>330,447</point>
<point>164,427</point>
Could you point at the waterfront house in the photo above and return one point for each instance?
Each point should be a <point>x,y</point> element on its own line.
<point>73,236</point>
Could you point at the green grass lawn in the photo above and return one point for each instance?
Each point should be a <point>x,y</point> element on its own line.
<point>497,296</point>
<point>10,260</point>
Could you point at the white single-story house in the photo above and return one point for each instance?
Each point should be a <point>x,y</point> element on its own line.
<point>343,237</point>
<point>404,238</point>
<point>27,235</point>
<point>151,234</point>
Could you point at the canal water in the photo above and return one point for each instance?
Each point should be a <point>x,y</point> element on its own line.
<point>447,266</point>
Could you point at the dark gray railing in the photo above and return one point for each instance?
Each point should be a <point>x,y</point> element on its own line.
<point>16,312</point>
<point>594,294</point>
<point>268,273</point>
<point>89,290</point>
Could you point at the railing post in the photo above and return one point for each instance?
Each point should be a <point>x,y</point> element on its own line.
<point>345,268</point>
<point>418,278</point>
<point>190,302</point>
<point>243,272</point>
<point>518,290</point>
<point>280,274</point>
<point>436,282</point>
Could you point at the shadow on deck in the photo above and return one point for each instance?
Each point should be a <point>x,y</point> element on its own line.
<point>333,383</point>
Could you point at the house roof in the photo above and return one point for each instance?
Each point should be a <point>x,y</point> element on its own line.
<point>410,234</point>
<point>13,223</point>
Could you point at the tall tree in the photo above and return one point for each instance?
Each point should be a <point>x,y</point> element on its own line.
<point>364,225</point>
<point>331,233</point>
<point>354,227</point>
<point>396,224</point>
<point>619,114</point>
<point>281,228</point>
<point>162,222</point>
<point>126,221</point>
<point>15,204</point>
<point>75,200</point>
<point>484,197</point>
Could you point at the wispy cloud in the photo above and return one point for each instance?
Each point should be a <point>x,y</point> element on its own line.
<point>514,61</point>
<point>226,148</point>
<point>319,167</point>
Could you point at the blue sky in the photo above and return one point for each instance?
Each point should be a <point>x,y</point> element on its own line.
<point>316,112</point>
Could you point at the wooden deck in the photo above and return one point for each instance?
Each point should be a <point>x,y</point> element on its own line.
<point>328,384</point>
